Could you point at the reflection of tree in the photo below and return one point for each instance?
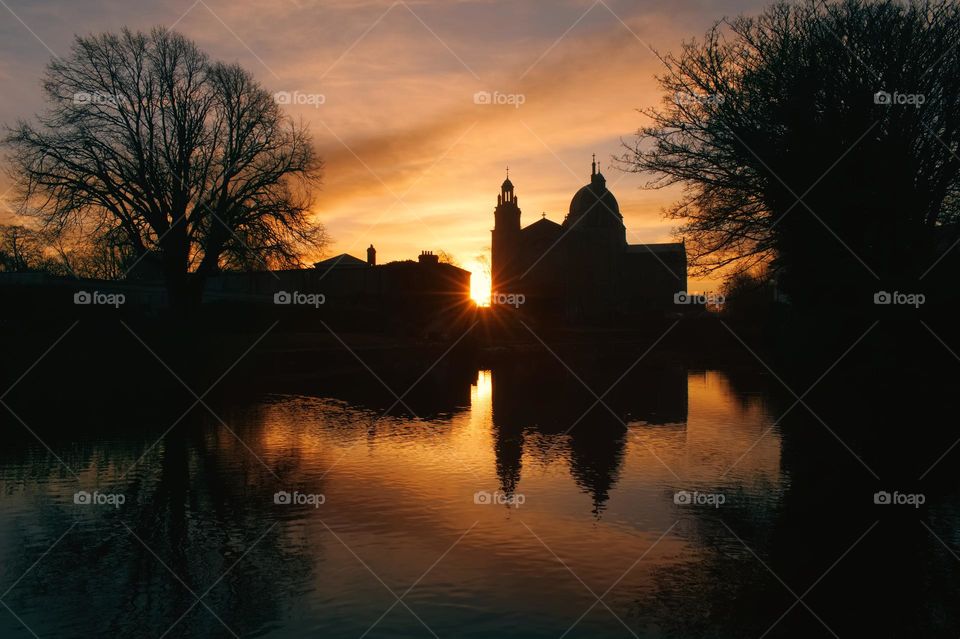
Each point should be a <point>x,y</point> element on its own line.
<point>428,387</point>
<point>196,507</point>
<point>898,580</point>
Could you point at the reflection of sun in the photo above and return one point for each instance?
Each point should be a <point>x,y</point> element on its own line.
<point>484,386</point>
<point>479,283</point>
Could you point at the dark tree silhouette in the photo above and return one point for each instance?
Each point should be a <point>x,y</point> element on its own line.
<point>748,296</point>
<point>82,253</point>
<point>21,249</point>
<point>447,258</point>
<point>170,154</point>
<point>819,139</point>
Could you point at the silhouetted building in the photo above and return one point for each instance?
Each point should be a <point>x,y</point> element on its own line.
<point>342,261</point>
<point>428,257</point>
<point>427,294</point>
<point>583,269</point>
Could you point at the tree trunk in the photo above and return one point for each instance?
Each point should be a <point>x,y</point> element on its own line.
<point>184,293</point>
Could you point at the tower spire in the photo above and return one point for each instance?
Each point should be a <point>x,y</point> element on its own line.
<point>593,165</point>
<point>506,190</point>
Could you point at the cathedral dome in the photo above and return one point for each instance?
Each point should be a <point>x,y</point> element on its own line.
<point>594,206</point>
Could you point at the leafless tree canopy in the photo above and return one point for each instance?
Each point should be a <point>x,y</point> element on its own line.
<point>21,249</point>
<point>447,258</point>
<point>770,110</point>
<point>157,148</point>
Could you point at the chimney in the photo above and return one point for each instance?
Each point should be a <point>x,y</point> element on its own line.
<point>427,257</point>
<point>372,256</point>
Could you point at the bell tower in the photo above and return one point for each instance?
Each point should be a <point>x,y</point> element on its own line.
<point>505,245</point>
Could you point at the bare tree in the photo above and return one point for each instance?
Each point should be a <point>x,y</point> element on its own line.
<point>447,258</point>
<point>95,253</point>
<point>819,138</point>
<point>169,154</point>
<point>21,249</point>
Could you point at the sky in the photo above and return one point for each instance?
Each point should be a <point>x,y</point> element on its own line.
<point>413,159</point>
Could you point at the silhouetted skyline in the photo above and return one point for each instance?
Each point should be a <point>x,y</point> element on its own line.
<point>398,116</point>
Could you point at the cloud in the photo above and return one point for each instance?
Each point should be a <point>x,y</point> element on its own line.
<point>398,81</point>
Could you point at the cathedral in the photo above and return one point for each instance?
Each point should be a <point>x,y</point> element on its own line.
<point>583,270</point>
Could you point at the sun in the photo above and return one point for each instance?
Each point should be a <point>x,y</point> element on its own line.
<point>479,283</point>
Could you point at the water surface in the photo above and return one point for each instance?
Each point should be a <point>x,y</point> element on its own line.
<point>664,511</point>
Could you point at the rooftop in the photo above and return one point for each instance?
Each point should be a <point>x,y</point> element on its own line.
<point>665,247</point>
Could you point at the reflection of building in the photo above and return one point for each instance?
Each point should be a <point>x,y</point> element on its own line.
<point>582,269</point>
<point>539,397</point>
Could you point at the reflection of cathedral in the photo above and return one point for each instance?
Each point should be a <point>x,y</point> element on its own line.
<point>582,269</point>
<point>538,399</point>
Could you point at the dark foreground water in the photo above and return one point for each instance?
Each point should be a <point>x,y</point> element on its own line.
<point>718,510</point>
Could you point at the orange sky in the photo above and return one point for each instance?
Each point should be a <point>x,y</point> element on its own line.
<point>412,162</point>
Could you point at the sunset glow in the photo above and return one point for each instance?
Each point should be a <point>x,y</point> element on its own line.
<point>413,157</point>
<point>479,283</point>
<point>468,318</point>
